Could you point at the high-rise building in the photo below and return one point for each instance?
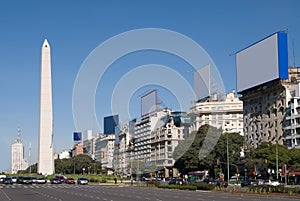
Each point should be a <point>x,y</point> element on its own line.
<point>45,154</point>
<point>110,124</point>
<point>18,161</point>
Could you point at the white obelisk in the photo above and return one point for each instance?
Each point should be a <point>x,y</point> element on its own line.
<point>46,159</point>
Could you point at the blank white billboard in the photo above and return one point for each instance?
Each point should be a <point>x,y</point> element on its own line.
<point>149,102</point>
<point>262,62</point>
<point>202,82</point>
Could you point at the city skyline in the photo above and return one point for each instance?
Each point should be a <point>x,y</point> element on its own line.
<point>75,30</point>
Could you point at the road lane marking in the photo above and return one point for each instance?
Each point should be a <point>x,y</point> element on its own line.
<point>5,194</point>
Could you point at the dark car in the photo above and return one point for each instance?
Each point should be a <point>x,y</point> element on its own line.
<point>221,183</point>
<point>8,180</point>
<point>70,181</point>
<point>20,179</point>
<point>208,181</point>
<point>179,181</point>
<point>249,182</point>
<point>26,180</point>
<point>55,181</point>
<point>82,181</point>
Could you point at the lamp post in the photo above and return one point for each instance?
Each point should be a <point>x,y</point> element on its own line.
<point>276,155</point>
<point>227,153</point>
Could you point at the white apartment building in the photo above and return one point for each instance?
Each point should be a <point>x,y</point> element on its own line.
<point>18,161</point>
<point>142,133</point>
<point>64,154</point>
<point>104,150</point>
<point>165,138</point>
<point>123,156</point>
<point>292,121</point>
<point>224,114</point>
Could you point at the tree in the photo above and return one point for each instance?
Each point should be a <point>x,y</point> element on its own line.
<point>190,160</point>
<point>77,163</point>
<point>263,158</point>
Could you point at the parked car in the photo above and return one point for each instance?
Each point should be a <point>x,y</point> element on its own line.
<point>221,183</point>
<point>208,181</point>
<point>55,181</point>
<point>179,181</point>
<point>61,178</point>
<point>2,177</point>
<point>41,180</point>
<point>82,181</point>
<point>271,182</point>
<point>7,180</point>
<point>20,179</point>
<point>69,181</point>
<point>235,178</point>
<point>14,179</point>
<point>33,179</point>
<point>249,182</point>
<point>26,180</point>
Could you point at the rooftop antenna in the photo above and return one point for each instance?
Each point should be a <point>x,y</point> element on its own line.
<point>19,132</point>
<point>293,52</point>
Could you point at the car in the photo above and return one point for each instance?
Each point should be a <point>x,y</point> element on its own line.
<point>61,178</point>
<point>249,182</point>
<point>41,180</point>
<point>221,183</point>
<point>55,181</point>
<point>69,181</point>
<point>26,180</point>
<point>271,182</point>
<point>14,179</point>
<point>7,180</point>
<point>82,181</point>
<point>33,179</point>
<point>179,181</point>
<point>208,181</point>
<point>235,178</point>
<point>2,177</point>
<point>20,179</point>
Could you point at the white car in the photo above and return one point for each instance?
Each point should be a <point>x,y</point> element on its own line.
<point>14,179</point>
<point>271,183</point>
<point>82,181</point>
<point>41,180</point>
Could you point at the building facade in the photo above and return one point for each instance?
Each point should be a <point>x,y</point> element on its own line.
<point>142,134</point>
<point>18,161</point>
<point>292,120</point>
<point>104,150</point>
<point>123,156</point>
<point>264,109</point>
<point>165,138</point>
<point>110,124</point>
<point>222,114</point>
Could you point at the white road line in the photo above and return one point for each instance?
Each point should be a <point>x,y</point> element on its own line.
<point>5,194</point>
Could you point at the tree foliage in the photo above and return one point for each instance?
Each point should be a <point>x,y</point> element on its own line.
<point>190,160</point>
<point>79,164</point>
<point>263,158</point>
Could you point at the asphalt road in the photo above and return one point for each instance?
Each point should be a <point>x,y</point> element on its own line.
<point>64,192</point>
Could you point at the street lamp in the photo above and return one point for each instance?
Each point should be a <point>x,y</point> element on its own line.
<point>227,152</point>
<point>276,155</point>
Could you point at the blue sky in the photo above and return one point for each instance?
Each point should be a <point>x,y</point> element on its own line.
<point>75,28</point>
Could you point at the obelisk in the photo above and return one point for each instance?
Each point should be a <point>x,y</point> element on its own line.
<point>45,155</point>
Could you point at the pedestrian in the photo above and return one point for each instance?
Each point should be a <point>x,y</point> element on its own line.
<point>115,179</point>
